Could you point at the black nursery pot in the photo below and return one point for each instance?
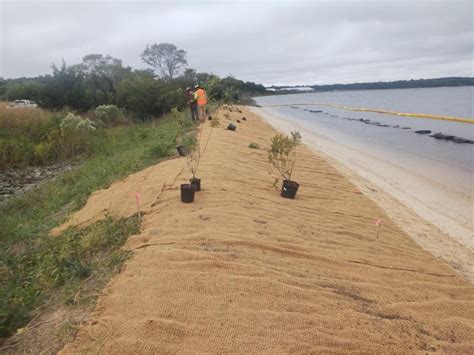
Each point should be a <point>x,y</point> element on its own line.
<point>289,189</point>
<point>180,150</point>
<point>231,127</point>
<point>196,183</point>
<point>187,193</point>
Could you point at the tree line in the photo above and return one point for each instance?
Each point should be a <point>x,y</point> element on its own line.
<point>103,80</point>
<point>399,84</point>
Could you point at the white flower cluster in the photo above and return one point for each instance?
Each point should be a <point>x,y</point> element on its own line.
<point>108,113</point>
<point>73,122</point>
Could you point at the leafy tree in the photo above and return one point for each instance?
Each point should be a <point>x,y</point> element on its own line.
<point>102,80</point>
<point>190,74</point>
<point>66,87</point>
<point>99,64</point>
<point>139,94</point>
<point>103,73</point>
<point>165,59</point>
<point>3,87</point>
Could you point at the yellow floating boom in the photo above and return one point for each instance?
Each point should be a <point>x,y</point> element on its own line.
<point>420,115</point>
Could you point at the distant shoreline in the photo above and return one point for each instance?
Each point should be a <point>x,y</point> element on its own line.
<point>388,85</point>
<point>349,90</point>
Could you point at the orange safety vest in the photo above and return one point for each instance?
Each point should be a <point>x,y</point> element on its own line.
<point>201,97</point>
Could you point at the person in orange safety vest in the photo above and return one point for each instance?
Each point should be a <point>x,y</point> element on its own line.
<point>201,97</point>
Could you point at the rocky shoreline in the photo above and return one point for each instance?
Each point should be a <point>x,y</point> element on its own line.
<point>14,182</point>
<point>438,135</point>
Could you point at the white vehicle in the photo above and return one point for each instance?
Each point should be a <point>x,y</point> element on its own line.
<point>23,103</point>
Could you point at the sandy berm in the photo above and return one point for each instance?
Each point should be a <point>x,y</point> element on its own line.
<point>243,270</point>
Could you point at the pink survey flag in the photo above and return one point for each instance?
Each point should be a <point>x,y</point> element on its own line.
<point>138,197</point>
<point>378,223</point>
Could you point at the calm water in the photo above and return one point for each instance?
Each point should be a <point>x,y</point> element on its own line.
<point>403,146</point>
<point>455,101</point>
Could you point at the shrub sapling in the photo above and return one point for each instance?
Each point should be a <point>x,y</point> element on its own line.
<point>196,151</point>
<point>282,156</point>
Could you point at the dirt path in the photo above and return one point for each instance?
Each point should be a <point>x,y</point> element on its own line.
<point>243,270</point>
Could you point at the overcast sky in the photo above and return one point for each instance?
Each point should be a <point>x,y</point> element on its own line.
<point>270,42</point>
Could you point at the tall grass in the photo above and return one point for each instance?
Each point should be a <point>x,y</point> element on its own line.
<point>24,120</point>
<point>29,136</point>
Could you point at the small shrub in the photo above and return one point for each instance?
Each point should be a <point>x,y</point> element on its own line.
<point>254,146</point>
<point>188,142</point>
<point>159,150</point>
<point>43,152</point>
<point>143,134</point>
<point>215,122</point>
<point>76,124</point>
<point>178,117</point>
<point>74,136</point>
<point>15,151</point>
<point>196,149</point>
<point>282,153</point>
<point>110,115</point>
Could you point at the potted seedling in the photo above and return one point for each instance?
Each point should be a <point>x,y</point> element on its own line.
<point>282,156</point>
<point>215,122</point>
<point>187,190</point>
<point>190,148</point>
<point>193,158</point>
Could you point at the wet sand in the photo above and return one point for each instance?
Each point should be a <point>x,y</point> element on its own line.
<point>243,270</point>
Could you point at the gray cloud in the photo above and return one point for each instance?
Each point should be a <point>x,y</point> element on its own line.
<point>273,42</point>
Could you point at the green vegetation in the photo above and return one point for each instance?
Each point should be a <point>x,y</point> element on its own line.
<point>33,265</point>
<point>110,115</point>
<point>165,59</point>
<point>39,137</point>
<point>144,94</point>
<point>254,146</point>
<point>215,122</point>
<point>54,267</point>
<point>102,116</point>
<point>282,153</point>
<point>36,137</point>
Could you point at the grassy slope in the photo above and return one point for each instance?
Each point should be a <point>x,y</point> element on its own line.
<point>34,266</point>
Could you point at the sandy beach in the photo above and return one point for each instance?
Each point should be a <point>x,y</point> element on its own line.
<point>437,217</point>
<point>243,270</point>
